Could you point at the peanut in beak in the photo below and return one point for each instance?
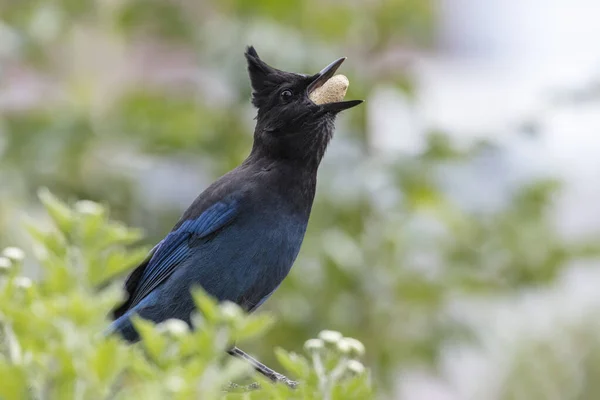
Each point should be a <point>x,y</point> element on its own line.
<point>332,91</point>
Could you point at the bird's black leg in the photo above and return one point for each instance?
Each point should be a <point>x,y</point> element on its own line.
<point>260,367</point>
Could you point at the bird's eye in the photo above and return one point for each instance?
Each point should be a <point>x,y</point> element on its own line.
<point>286,94</point>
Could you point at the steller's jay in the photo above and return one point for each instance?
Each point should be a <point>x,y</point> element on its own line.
<point>240,237</point>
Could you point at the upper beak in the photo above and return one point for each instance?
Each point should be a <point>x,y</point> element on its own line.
<point>325,74</point>
<point>322,77</point>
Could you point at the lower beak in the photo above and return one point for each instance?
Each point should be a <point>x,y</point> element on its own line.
<point>322,77</point>
<point>341,105</point>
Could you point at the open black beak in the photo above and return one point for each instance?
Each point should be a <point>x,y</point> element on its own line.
<point>325,74</point>
<point>322,77</point>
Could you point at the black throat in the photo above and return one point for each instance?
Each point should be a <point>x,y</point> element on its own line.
<point>304,148</point>
<point>292,179</point>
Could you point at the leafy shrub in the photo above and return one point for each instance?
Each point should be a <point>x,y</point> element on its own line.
<point>52,344</point>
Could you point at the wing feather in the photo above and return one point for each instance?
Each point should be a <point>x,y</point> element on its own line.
<point>174,249</point>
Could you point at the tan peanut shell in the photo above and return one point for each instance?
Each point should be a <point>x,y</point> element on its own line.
<point>333,90</point>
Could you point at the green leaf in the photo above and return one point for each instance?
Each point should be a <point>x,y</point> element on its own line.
<point>117,263</point>
<point>92,227</point>
<point>61,214</point>
<point>52,241</point>
<point>253,325</point>
<point>14,382</point>
<point>152,340</point>
<point>207,305</point>
<point>292,362</point>
<point>107,361</point>
<point>119,233</point>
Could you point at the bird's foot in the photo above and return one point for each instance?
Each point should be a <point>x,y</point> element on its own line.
<point>279,378</point>
<point>263,369</point>
<point>234,387</point>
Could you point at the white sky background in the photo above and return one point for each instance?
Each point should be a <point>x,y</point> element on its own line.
<point>500,64</point>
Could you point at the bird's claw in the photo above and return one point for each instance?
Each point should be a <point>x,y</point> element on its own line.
<point>234,387</point>
<point>277,377</point>
<point>284,379</point>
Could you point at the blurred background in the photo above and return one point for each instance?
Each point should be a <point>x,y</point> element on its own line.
<point>456,225</point>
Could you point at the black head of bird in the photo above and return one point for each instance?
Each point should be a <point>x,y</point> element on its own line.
<point>296,112</point>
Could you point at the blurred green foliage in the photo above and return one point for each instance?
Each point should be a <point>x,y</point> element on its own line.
<point>140,104</point>
<point>52,345</point>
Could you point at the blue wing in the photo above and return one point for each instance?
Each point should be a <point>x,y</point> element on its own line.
<point>175,248</point>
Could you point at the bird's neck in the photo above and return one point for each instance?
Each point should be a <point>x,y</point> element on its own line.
<point>302,164</point>
<point>293,179</point>
<point>303,148</point>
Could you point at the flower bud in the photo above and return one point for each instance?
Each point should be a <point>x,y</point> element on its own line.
<point>352,346</point>
<point>175,383</point>
<point>89,207</point>
<point>313,345</point>
<point>5,265</point>
<point>230,311</point>
<point>174,327</point>
<point>356,367</point>
<point>343,346</point>
<point>14,253</point>
<point>330,337</point>
<point>22,282</point>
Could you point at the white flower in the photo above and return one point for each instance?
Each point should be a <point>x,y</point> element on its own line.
<point>331,337</point>
<point>175,327</point>
<point>23,282</point>
<point>175,383</point>
<point>14,253</point>
<point>350,345</point>
<point>343,346</point>
<point>230,311</point>
<point>313,345</point>
<point>5,264</point>
<point>88,207</point>
<point>355,367</point>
